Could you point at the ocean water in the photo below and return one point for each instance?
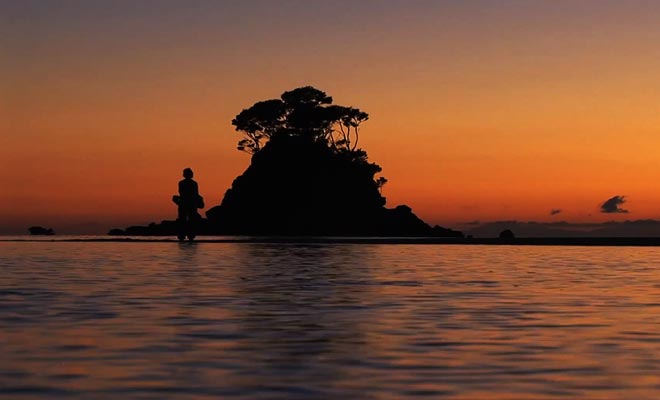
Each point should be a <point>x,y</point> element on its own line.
<point>113,320</point>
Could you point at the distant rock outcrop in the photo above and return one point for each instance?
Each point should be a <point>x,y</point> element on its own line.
<point>563,229</point>
<point>507,234</point>
<point>39,230</point>
<point>164,228</point>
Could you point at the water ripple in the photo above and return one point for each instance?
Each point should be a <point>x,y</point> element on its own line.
<point>286,321</point>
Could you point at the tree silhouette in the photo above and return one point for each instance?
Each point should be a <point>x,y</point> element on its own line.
<point>304,111</point>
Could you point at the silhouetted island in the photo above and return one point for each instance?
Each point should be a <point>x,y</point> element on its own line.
<point>40,230</point>
<point>307,177</point>
<point>507,234</point>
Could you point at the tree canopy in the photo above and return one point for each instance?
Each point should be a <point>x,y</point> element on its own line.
<point>305,111</point>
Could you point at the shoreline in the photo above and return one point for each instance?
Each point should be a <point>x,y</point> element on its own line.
<point>576,241</point>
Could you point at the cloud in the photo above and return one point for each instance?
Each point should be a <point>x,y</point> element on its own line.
<point>555,211</point>
<point>613,204</point>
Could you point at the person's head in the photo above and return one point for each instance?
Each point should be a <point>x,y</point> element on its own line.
<point>188,173</point>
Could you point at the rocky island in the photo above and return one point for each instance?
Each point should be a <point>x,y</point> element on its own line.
<point>40,231</point>
<point>307,177</point>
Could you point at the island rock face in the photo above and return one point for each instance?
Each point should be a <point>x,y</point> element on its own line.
<point>298,186</point>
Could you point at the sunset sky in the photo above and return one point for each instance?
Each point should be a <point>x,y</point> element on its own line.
<point>479,110</point>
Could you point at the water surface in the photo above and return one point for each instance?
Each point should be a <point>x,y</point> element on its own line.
<point>286,321</point>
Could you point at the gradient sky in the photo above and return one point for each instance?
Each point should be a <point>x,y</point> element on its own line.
<point>480,110</point>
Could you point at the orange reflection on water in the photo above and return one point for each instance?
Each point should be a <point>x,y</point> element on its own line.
<point>310,321</point>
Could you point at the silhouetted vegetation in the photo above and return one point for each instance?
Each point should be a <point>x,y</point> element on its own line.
<point>303,112</point>
<point>307,176</point>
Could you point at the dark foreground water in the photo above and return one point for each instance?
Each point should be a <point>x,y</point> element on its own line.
<point>332,321</point>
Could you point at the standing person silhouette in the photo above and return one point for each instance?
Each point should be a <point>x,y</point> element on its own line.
<point>188,201</point>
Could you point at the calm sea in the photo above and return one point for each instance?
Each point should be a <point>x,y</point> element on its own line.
<point>332,321</point>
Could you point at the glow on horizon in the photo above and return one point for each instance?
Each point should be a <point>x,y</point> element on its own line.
<point>477,111</point>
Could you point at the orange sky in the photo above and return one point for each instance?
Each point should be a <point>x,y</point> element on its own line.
<point>479,110</point>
